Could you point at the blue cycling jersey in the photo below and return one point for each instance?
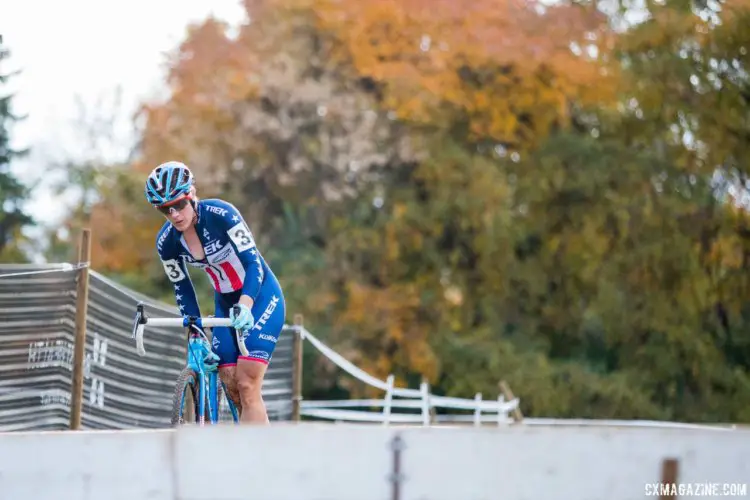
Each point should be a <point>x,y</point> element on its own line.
<point>235,266</point>
<point>231,259</point>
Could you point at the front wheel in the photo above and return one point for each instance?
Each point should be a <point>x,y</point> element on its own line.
<point>185,407</point>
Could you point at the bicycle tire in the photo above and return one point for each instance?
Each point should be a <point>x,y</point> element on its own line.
<point>185,392</point>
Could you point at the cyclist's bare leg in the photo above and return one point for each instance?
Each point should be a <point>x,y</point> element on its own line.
<point>249,377</point>
<point>227,374</point>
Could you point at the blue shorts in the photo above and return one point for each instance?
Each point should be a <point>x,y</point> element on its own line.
<point>269,312</point>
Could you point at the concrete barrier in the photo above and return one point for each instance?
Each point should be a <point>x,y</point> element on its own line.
<point>574,462</point>
<point>348,462</point>
<point>86,465</point>
<point>284,462</point>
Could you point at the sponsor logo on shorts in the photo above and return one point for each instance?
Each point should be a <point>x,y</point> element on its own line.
<point>266,314</point>
<point>258,355</point>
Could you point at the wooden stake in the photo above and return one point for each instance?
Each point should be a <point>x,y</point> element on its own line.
<point>79,345</point>
<point>505,390</point>
<point>297,368</point>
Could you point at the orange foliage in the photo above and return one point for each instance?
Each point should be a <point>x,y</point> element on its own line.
<point>113,253</point>
<point>388,330</point>
<point>494,59</point>
<point>207,75</point>
<point>124,230</point>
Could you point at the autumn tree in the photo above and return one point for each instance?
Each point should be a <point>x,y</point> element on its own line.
<point>468,193</point>
<point>413,258</point>
<point>493,72</point>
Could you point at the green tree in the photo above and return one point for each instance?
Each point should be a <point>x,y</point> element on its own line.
<point>12,192</point>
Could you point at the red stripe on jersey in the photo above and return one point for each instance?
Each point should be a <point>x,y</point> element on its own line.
<point>214,279</point>
<point>234,278</point>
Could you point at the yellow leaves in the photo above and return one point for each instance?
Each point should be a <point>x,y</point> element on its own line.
<point>453,296</point>
<point>553,243</point>
<point>426,53</point>
<point>110,250</point>
<point>399,210</point>
<point>385,317</point>
<point>392,244</point>
<point>728,252</point>
<point>735,11</point>
<point>380,307</point>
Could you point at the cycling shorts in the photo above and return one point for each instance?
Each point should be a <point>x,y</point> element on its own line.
<point>269,313</point>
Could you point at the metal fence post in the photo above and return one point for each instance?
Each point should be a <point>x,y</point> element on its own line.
<point>79,346</point>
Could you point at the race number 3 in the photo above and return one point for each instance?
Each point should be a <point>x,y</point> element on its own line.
<point>173,270</point>
<point>242,237</point>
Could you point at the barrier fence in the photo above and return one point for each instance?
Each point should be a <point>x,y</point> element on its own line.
<point>120,388</point>
<point>123,390</point>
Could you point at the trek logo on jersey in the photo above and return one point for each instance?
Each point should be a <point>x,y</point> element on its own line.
<point>212,247</point>
<point>216,210</point>
<point>206,234</point>
<point>162,238</point>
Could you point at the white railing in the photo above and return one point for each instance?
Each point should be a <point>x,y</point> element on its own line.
<point>483,411</point>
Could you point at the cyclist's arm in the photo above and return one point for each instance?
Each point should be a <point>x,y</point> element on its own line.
<point>242,238</point>
<point>184,292</point>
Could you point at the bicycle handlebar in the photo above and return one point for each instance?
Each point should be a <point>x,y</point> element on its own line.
<point>141,320</point>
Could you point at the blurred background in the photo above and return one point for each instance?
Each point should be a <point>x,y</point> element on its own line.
<point>552,193</point>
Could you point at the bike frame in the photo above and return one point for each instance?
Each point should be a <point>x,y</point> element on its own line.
<point>207,382</point>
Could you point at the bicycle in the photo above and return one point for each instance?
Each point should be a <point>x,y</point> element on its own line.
<point>194,381</point>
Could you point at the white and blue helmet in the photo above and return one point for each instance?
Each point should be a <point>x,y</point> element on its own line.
<point>168,182</point>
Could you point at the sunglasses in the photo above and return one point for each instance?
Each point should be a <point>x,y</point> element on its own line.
<point>177,205</point>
